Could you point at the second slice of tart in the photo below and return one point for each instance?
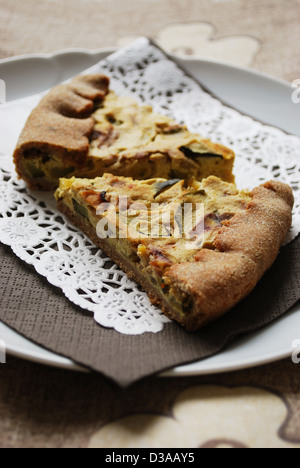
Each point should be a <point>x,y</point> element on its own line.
<point>84,129</point>
<point>197,248</point>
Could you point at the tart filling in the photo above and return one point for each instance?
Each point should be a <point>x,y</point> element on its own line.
<point>131,140</point>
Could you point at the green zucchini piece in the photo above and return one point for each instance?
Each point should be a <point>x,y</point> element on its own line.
<point>34,171</point>
<point>162,186</point>
<point>193,155</point>
<point>81,210</point>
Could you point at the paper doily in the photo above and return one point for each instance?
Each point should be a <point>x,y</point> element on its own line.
<point>42,237</point>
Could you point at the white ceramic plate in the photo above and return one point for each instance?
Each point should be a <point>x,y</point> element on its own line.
<point>256,94</point>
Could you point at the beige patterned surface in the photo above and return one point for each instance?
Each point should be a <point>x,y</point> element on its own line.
<point>267,30</point>
<point>199,39</point>
<point>204,416</point>
<point>44,407</point>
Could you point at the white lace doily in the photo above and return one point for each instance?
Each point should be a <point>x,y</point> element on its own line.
<point>42,237</point>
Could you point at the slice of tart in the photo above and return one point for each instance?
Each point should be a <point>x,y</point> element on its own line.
<point>197,248</point>
<point>83,129</point>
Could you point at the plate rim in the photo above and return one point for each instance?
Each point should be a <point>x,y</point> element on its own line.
<point>111,50</point>
<point>59,361</point>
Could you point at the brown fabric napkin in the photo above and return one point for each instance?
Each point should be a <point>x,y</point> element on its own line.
<point>37,310</point>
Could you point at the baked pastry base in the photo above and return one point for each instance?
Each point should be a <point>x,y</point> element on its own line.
<point>217,278</point>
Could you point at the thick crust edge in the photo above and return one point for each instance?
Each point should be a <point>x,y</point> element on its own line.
<point>247,247</point>
<point>61,123</point>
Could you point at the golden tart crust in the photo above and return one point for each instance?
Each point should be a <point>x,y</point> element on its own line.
<point>59,127</point>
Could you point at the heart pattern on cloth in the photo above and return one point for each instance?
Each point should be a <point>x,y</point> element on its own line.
<point>204,417</point>
<point>198,40</point>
